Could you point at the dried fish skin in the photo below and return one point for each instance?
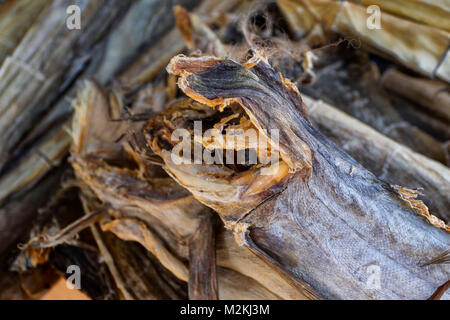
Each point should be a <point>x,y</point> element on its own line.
<point>46,61</point>
<point>339,71</point>
<point>236,191</point>
<point>334,219</point>
<point>49,153</point>
<point>156,211</point>
<point>398,37</point>
<point>431,95</point>
<point>387,159</point>
<point>101,164</point>
<point>434,13</point>
<point>292,11</point>
<point>15,19</point>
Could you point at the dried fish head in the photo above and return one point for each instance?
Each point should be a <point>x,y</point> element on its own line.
<point>328,205</point>
<point>227,164</point>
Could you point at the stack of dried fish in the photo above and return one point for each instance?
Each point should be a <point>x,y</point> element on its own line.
<point>89,178</point>
<point>414,33</point>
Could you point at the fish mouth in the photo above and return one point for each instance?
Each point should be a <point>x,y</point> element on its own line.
<point>219,155</point>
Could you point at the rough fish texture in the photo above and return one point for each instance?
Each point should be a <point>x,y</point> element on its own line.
<point>387,159</point>
<point>148,207</point>
<point>334,219</point>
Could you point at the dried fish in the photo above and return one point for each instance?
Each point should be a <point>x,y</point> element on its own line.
<point>420,118</point>
<point>152,209</point>
<point>44,62</point>
<point>271,209</point>
<point>47,139</point>
<point>328,204</point>
<point>16,17</point>
<point>431,95</point>
<point>396,38</point>
<point>387,159</point>
<point>350,81</point>
<point>19,210</point>
<point>434,13</point>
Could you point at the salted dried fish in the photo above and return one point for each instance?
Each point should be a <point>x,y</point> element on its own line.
<point>300,218</point>
<point>427,54</point>
<point>387,159</point>
<point>328,204</point>
<point>431,95</point>
<point>16,17</point>
<point>350,81</point>
<point>47,139</point>
<point>202,262</point>
<point>44,63</point>
<point>369,103</point>
<point>156,57</point>
<point>154,210</point>
<point>434,13</point>
<point>344,77</point>
<point>46,154</point>
<point>19,210</point>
